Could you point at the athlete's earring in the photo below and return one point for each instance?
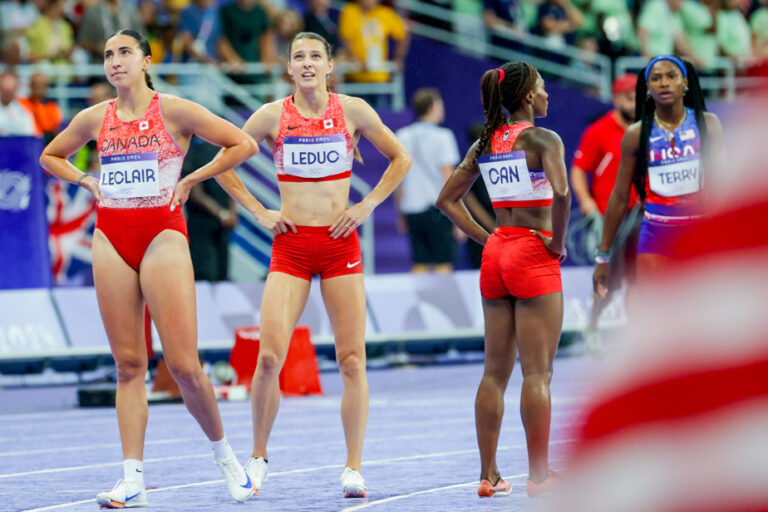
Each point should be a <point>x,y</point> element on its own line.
<point>685,90</point>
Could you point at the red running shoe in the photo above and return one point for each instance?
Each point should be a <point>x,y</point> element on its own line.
<point>486,490</point>
<point>544,487</point>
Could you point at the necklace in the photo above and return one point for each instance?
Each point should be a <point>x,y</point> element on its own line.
<point>668,126</point>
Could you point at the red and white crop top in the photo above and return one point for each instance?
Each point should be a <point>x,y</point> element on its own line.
<point>313,149</point>
<point>505,172</point>
<point>140,161</point>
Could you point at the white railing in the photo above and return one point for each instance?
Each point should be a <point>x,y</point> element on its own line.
<point>216,91</point>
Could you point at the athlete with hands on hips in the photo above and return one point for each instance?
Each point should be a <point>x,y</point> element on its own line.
<point>313,135</point>
<point>140,249</point>
<point>524,171</point>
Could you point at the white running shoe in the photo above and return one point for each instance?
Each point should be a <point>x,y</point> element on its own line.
<point>124,494</point>
<point>257,470</point>
<point>239,483</point>
<point>352,484</point>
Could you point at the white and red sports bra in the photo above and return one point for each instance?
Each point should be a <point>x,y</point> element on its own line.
<point>313,149</point>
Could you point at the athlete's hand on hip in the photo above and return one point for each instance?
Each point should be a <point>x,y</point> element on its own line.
<point>91,184</point>
<point>600,279</point>
<point>180,194</point>
<point>561,251</point>
<point>350,219</point>
<point>274,221</point>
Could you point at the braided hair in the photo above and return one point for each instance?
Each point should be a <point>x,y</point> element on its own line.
<point>143,46</point>
<point>503,87</point>
<point>645,108</point>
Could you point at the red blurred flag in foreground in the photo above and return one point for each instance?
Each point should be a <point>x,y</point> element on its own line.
<point>678,422</point>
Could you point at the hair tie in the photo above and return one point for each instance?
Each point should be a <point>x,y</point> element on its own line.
<point>670,58</point>
<point>501,74</point>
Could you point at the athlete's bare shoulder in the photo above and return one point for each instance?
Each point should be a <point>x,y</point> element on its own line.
<point>632,135</point>
<point>354,106</point>
<point>539,138</point>
<point>264,121</point>
<point>89,120</point>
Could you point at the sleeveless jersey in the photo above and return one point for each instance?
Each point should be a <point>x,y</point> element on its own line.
<point>505,172</point>
<point>313,149</point>
<point>674,171</point>
<point>140,161</point>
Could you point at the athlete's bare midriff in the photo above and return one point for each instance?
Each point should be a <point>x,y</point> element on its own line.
<point>314,203</point>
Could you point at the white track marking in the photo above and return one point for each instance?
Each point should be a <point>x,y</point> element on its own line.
<point>425,491</point>
<point>308,470</point>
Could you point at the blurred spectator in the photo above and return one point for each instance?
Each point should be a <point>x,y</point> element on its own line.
<point>199,31</point>
<point>758,24</point>
<point>16,120</point>
<point>285,25</point>
<point>101,20</point>
<point>733,33</point>
<point>615,28</point>
<point>319,20</point>
<point>502,14</point>
<point>50,37</point>
<point>211,215</point>
<point>46,114</point>
<point>16,16</point>
<point>558,19</point>
<point>660,28</point>
<point>698,20</point>
<point>159,37</point>
<point>435,155</point>
<point>365,28</point>
<point>245,34</point>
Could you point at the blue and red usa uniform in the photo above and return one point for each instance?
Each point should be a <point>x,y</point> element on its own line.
<point>673,185</point>
<point>515,261</point>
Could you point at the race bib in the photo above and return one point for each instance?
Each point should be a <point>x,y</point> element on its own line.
<point>315,157</point>
<point>675,179</point>
<point>128,176</point>
<point>505,175</point>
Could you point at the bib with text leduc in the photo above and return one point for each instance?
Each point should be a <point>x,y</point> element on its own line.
<point>129,176</point>
<point>315,156</point>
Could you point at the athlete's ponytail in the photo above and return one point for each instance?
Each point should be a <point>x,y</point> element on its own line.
<point>500,88</point>
<point>143,46</point>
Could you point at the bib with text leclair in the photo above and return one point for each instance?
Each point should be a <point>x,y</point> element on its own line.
<point>129,175</point>
<point>315,157</point>
<point>675,176</point>
<point>506,175</point>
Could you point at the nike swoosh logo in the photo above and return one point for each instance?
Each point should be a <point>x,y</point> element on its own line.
<point>248,484</point>
<point>129,499</point>
<point>654,139</point>
<point>113,128</point>
<point>352,265</point>
<point>293,127</point>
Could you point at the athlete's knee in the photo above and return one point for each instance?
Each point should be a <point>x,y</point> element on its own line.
<point>352,365</point>
<point>185,371</point>
<point>130,367</point>
<point>269,362</point>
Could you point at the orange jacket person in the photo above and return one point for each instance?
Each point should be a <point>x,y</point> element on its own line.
<point>524,171</point>
<point>140,250</point>
<point>313,133</point>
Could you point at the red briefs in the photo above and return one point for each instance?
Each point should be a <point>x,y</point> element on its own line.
<point>131,230</point>
<point>516,263</point>
<point>312,251</point>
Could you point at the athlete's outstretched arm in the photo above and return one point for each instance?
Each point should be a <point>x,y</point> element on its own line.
<point>553,162</point>
<point>368,123</point>
<point>81,130</point>
<point>193,119</point>
<point>617,203</point>
<point>449,200</point>
<point>259,127</point>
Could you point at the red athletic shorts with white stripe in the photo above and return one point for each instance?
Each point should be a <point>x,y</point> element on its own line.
<point>312,252</point>
<point>516,263</point>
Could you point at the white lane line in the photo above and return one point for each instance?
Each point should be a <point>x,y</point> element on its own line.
<point>425,491</point>
<point>289,472</point>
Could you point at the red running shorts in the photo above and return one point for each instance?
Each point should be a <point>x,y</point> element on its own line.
<point>516,263</point>
<point>131,230</point>
<point>312,252</point>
